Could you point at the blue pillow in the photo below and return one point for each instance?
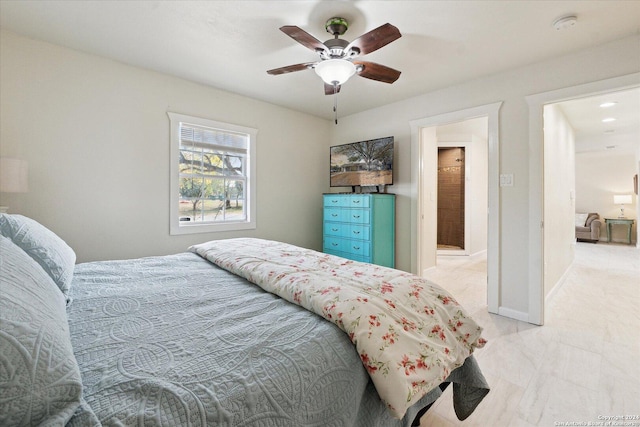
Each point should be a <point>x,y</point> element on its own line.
<point>43,245</point>
<point>40,381</point>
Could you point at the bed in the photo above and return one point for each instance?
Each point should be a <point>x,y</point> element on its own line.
<point>236,332</point>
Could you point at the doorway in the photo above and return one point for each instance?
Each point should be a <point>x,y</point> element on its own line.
<point>539,239</point>
<point>424,146</point>
<point>451,198</point>
<point>461,186</point>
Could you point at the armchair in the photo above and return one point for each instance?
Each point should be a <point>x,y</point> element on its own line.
<point>588,227</point>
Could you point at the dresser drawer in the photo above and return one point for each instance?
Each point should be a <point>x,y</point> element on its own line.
<point>333,244</point>
<point>357,231</point>
<point>348,256</point>
<point>347,246</point>
<point>337,229</point>
<point>346,201</point>
<point>353,216</point>
<point>352,231</point>
<point>358,216</point>
<point>335,215</point>
<point>358,247</point>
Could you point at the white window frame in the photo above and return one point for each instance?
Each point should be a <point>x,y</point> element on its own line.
<point>178,227</point>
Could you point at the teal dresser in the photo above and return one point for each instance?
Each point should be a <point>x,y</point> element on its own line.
<point>360,227</point>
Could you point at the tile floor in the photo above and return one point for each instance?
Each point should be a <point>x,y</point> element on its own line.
<point>581,366</point>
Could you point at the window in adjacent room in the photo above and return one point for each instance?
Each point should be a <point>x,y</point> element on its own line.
<point>212,176</point>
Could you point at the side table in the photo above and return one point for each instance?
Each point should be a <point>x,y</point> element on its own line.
<point>628,222</point>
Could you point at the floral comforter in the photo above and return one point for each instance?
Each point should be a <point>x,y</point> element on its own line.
<point>410,333</point>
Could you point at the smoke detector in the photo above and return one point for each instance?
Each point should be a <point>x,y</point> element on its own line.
<point>565,22</point>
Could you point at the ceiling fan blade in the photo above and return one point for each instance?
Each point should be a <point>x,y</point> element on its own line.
<point>374,39</point>
<point>291,68</point>
<point>304,38</point>
<point>328,89</point>
<point>373,71</point>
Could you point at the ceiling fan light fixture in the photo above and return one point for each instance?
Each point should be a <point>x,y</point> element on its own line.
<point>335,71</point>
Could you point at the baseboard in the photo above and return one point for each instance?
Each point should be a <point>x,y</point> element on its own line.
<point>451,252</point>
<point>513,314</point>
<point>448,252</point>
<point>479,253</point>
<point>427,269</point>
<point>558,284</point>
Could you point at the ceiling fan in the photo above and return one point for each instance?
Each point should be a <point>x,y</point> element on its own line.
<point>337,56</point>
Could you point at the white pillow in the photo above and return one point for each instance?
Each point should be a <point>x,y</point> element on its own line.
<point>40,382</point>
<point>43,245</point>
<point>581,219</point>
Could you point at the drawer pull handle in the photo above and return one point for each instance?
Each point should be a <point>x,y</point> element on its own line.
<point>334,201</point>
<point>356,232</point>
<point>334,229</point>
<point>334,244</point>
<point>334,215</point>
<point>357,248</point>
<point>356,216</point>
<point>356,201</point>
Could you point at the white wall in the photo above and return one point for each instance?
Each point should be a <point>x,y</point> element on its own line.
<point>559,189</point>
<point>95,133</point>
<point>611,60</point>
<point>637,174</point>
<point>598,177</point>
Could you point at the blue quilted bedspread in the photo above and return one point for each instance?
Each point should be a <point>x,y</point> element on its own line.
<point>177,341</point>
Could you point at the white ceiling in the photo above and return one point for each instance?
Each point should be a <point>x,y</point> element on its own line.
<point>231,44</point>
<point>586,116</point>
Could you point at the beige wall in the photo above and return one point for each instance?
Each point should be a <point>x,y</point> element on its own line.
<point>615,59</point>
<point>559,188</point>
<point>95,133</point>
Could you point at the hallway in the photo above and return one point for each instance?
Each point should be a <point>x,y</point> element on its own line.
<point>582,364</point>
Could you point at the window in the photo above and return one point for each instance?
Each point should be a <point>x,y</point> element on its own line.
<point>212,176</point>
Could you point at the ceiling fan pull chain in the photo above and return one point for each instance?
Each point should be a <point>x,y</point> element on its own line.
<point>335,101</point>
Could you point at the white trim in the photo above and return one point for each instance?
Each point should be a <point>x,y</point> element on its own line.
<point>482,253</point>
<point>493,215</point>
<point>558,284</point>
<point>474,256</point>
<point>513,314</point>
<point>175,227</point>
<point>424,273</point>
<point>452,252</point>
<point>536,175</point>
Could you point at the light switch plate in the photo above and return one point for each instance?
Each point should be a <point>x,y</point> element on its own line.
<point>506,180</point>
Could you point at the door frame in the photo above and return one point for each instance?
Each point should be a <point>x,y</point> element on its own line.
<point>536,104</point>
<point>418,219</point>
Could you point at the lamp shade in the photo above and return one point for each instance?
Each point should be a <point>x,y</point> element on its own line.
<point>13,175</point>
<point>335,70</point>
<point>622,199</point>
